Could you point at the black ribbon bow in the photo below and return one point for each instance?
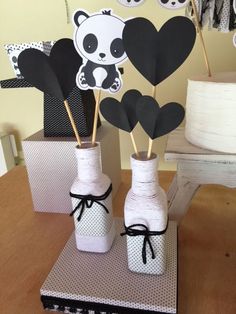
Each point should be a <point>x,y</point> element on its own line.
<point>132,232</point>
<point>87,201</point>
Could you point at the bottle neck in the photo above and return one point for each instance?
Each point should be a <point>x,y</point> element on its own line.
<point>144,176</point>
<point>89,162</point>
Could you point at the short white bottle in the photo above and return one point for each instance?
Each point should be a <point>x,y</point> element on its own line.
<point>146,218</point>
<point>92,202</point>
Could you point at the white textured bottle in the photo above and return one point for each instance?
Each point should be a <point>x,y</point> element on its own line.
<point>146,211</point>
<point>92,202</point>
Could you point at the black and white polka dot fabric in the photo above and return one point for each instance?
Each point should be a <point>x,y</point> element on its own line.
<point>217,14</point>
<point>56,121</point>
<point>14,83</point>
<point>13,51</point>
<point>154,266</point>
<point>95,221</point>
<point>102,283</point>
<point>72,310</point>
<point>47,46</point>
<point>225,16</point>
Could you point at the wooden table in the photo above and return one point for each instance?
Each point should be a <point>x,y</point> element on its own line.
<point>195,167</point>
<point>31,242</point>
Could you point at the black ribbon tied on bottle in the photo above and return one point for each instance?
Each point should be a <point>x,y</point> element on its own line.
<point>87,201</point>
<point>132,232</point>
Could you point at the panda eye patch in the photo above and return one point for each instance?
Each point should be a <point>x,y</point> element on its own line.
<point>164,1</point>
<point>14,59</point>
<point>182,1</point>
<point>90,43</point>
<point>117,48</point>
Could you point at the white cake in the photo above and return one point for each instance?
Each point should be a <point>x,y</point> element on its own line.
<point>211,112</point>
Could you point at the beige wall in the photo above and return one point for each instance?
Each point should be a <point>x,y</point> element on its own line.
<point>21,110</point>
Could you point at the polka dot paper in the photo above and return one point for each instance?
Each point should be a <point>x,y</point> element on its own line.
<point>102,283</point>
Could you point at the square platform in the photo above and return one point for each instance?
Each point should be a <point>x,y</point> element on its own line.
<point>52,167</point>
<point>92,283</point>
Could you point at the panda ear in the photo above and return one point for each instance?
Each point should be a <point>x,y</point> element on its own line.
<point>79,17</point>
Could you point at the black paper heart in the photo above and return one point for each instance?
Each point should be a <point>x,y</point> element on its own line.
<point>158,121</point>
<point>54,75</point>
<point>36,69</point>
<point>66,62</point>
<point>121,114</point>
<point>156,55</point>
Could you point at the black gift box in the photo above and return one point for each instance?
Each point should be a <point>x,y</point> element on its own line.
<point>56,121</point>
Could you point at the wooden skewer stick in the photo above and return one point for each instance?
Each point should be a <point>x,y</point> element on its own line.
<point>72,122</point>
<point>134,144</point>
<point>95,120</point>
<point>195,12</point>
<point>150,143</point>
<point>154,92</point>
<point>150,148</point>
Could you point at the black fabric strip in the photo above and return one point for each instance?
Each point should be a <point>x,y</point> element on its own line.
<point>14,83</point>
<point>85,199</point>
<point>132,232</point>
<point>92,306</point>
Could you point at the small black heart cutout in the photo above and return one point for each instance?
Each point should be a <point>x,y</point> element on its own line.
<point>54,75</point>
<point>121,114</point>
<point>158,121</point>
<point>156,55</point>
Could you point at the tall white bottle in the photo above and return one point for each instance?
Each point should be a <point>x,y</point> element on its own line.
<point>146,218</point>
<point>92,202</point>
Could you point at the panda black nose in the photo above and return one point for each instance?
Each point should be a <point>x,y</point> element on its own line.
<point>173,3</point>
<point>102,55</point>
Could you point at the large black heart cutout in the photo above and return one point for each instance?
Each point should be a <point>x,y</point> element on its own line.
<point>158,121</point>
<point>65,62</point>
<point>156,55</point>
<point>54,75</point>
<point>36,69</point>
<point>121,114</point>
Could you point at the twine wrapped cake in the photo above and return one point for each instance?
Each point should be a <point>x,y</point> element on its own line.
<point>211,112</point>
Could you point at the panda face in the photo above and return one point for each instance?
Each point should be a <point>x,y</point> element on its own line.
<point>173,4</point>
<point>98,38</point>
<point>131,3</point>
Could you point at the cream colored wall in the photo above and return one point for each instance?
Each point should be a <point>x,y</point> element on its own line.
<point>21,110</point>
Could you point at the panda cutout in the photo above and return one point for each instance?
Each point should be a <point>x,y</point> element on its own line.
<point>98,40</point>
<point>131,3</point>
<point>173,4</point>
